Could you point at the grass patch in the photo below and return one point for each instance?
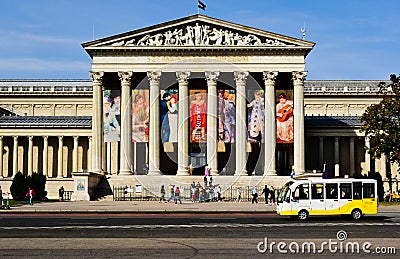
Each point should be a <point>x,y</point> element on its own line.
<point>393,203</point>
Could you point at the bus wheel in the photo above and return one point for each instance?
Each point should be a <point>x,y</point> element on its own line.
<point>356,214</point>
<point>302,215</point>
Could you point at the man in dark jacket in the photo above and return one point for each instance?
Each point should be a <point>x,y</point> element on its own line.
<point>266,192</point>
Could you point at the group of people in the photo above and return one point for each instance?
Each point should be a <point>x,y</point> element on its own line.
<point>391,196</point>
<point>174,192</point>
<point>269,195</point>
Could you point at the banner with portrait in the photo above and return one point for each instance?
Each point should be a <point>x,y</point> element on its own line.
<point>226,115</point>
<point>255,116</point>
<point>169,115</point>
<point>198,116</point>
<point>140,115</point>
<point>284,116</point>
<point>112,115</point>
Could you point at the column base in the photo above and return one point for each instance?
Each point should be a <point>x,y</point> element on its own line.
<point>241,173</point>
<point>299,172</point>
<point>125,172</point>
<point>155,173</point>
<point>182,173</point>
<point>214,172</point>
<point>270,173</point>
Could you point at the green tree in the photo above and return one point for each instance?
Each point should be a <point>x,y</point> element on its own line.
<point>381,122</point>
<point>19,187</point>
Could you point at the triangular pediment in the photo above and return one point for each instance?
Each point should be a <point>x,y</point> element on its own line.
<point>197,31</point>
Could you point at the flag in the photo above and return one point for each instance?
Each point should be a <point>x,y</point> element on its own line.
<point>201,5</point>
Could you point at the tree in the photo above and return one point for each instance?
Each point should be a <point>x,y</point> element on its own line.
<point>21,182</point>
<point>381,122</point>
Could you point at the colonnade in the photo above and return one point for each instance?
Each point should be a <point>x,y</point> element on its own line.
<point>211,77</point>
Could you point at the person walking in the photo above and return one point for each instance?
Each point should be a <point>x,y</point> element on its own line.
<point>30,193</point>
<point>255,195</point>
<point>61,193</point>
<point>172,193</point>
<point>238,194</point>
<point>272,195</point>
<point>1,198</point>
<point>162,198</point>
<point>266,192</point>
<point>178,195</point>
<point>205,181</point>
<point>211,180</point>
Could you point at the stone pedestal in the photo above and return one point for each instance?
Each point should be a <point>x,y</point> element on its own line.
<point>81,186</point>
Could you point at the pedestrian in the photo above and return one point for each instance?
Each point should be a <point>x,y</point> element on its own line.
<point>211,180</point>
<point>162,198</point>
<point>272,195</point>
<point>255,195</point>
<point>30,193</point>
<point>178,195</point>
<point>191,169</point>
<point>61,193</point>
<point>218,191</point>
<point>171,192</point>
<point>266,191</point>
<point>206,171</point>
<point>238,194</point>
<point>205,181</point>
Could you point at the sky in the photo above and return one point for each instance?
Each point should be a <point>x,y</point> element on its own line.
<point>355,39</point>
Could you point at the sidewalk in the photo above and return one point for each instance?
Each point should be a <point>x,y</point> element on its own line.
<point>141,207</point>
<point>153,207</point>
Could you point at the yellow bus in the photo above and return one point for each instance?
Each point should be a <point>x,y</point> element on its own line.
<point>317,197</point>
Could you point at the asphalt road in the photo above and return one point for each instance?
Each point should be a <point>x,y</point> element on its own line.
<point>192,236</point>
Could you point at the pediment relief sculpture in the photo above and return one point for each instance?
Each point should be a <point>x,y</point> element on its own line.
<point>198,35</point>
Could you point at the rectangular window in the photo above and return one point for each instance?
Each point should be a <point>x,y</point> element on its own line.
<point>357,190</point>
<point>301,192</point>
<point>331,191</point>
<point>317,191</point>
<point>345,191</point>
<point>369,190</point>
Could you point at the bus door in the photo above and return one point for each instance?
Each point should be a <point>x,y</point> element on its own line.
<point>301,197</point>
<point>345,198</point>
<point>317,198</point>
<point>370,199</point>
<point>332,198</point>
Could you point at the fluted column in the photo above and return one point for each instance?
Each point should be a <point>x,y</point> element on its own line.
<point>30,155</point>
<point>155,130</point>
<point>269,123</point>
<point>183,123</point>
<point>75,155</point>
<point>241,122</point>
<point>60,157</point>
<point>15,156</point>
<point>321,151</point>
<point>212,121</point>
<point>352,157</point>
<point>298,113</point>
<point>1,156</point>
<point>89,161</point>
<point>367,168</point>
<point>46,156</point>
<point>126,123</point>
<point>337,156</point>
<point>97,121</point>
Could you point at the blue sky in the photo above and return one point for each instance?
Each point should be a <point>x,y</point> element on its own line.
<point>354,39</point>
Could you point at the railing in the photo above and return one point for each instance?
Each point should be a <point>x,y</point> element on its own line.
<point>139,193</point>
<point>67,195</point>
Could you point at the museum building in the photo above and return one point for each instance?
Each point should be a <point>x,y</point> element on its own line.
<point>168,100</point>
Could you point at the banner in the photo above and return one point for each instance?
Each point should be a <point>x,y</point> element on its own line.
<point>226,115</point>
<point>255,116</point>
<point>284,116</point>
<point>112,115</point>
<point>140,115</point>
<point>169,115</point>
<point>198,116</point>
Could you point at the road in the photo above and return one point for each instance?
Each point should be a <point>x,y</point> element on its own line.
<point>230,235</point>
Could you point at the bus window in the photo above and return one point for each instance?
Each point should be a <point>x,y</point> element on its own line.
<point>369,190</point>
<point>331,191</point>
<point>301,192</point>
<point>345,190</point>
<point>357,190</point>
<point>317,191</point>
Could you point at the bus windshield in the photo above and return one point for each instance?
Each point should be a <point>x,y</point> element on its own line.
<point>283,192</point>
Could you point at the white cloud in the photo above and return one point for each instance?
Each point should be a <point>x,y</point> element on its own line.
<point>41,65</point>
<point>17,37</point>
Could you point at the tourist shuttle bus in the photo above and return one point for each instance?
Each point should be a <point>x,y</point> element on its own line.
<point>338,196</point>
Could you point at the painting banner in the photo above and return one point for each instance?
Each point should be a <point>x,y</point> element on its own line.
<point>140,115</point>
<point>169,115</point>
<point>226,116</point>
<point>284,116</point>
<point>112,115</point>
<point>198,116</point>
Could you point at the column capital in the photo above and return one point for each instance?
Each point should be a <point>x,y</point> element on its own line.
<point>90,138</point>
<point>337,138</point>
<point>97,77</point>
<point>46,138</point>
<point>212,76</point>
<point>270,77</point>
<point>60,138</point>
<point>183,76</point>
<point>1,138</point>
<point>299,77</point>
<point>125,76</point>
<point>76,137</point>
<point>15,138</point>
<point>30,138</point>
<point>154,76</point>
<point>241,76</point>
